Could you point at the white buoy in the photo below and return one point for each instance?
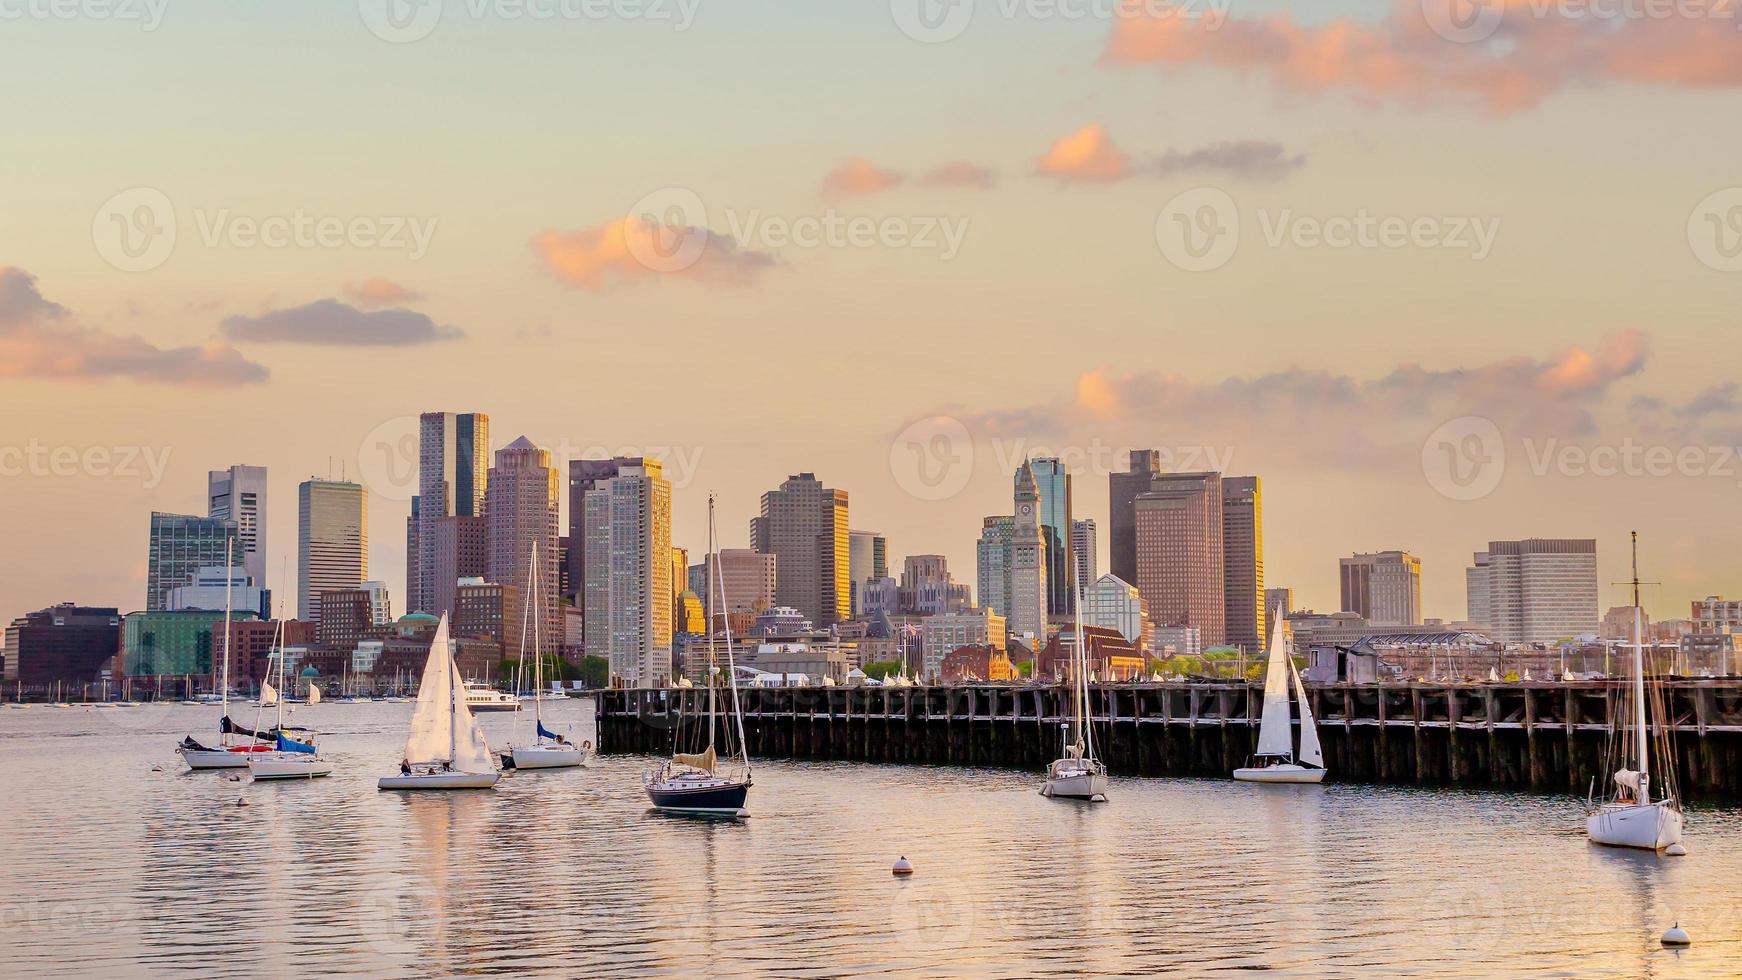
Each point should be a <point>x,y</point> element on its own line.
<point>1676,936</point>
<point>1675,851</point>
<point>902,868</point>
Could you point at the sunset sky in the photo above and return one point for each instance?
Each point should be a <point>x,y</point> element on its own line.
<point>766,237</point>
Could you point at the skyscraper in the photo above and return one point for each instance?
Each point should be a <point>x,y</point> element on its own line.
<point>992,564</point>
<point>804,526</point>
<point>1538,590</point>
<point>1243,561</point>
<point>1476,591</point>
<point>927,589</point>
<point>332,542</point>
<point>452,479</point>
<point>1083,548</point>
<point>868,560</point>
<point>1278,603</point>
<point>180,545</point>
<point>1384,587</point>
<point>749,578</point>
<point>1029,593</point>
<point>1053,485</point>
<point>238,495</point>
<point>628,591</point>
<point>521,507</point>
<point>1180,565</point>
<point>460,547</point>
<point>1123,490</point>
<point>584,475</point>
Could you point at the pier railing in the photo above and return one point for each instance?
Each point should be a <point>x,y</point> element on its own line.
<point>1549,736</point>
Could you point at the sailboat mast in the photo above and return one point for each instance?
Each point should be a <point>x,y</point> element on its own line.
<point>731,661</point>
<point>229,556</point>
<point>713,563</point>
<point>1082,733</point>
<point>1639,684</point>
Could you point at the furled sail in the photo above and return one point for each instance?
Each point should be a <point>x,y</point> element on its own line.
<point>291,745</point>
<point>544,732</point>
<point>1310,751</point>
<point>1274,738</point>
<point>229,727</point>
<point>432,719</point>
<point>704,761</point>
<point>471,752</point>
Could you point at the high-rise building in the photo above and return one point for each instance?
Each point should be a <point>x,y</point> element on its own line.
<point>1538,590</point>
<point>584,475</point>
<point>750,579</point>
<point>1383,587</point>
<point>413,559</point>
<point>380,603</point>
<point>452,480</point>
<point>1029,593</point>
<point>1083,549</point>
<point>332,542</point>
<point>1180,565</point>
<point>1476,591</point>
<point>65,643</point>
<point>992,563</point>
<point>804,526</point>
<point>1243,562</point>
<point>1278,603</point>
<point>628,613</point>
<point>461,548</point>
<point>521,506</point>
<point>180,545</point>
<point>927,589</point>
<point>238,495</point>
<point>1052,484</point>
<point>1123,491</point>
<point>868,559</point>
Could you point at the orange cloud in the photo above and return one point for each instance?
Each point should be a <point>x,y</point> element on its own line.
<point>1096,396</point>
<point>856,177</point>
<point>632,250</point>
<point>1578,370</point>
<point>1428,51</point>
<point>376,291</point>
<point>1087,154</point>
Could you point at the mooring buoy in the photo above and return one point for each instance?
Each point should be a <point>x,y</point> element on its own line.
<point>1676,936</point>
<point>902,868</point>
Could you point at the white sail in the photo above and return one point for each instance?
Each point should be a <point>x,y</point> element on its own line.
<point>314,694</point>
<point>268,695</point>
<point>432,720</point>
<point>1310,751</point>
<point>470,752</point>
<point>1274,738</point>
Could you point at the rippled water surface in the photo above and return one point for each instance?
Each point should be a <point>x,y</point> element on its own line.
<point>114,869</point>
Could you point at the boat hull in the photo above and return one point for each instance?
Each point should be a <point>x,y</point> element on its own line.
<point>214,758</point>
<point>278,766</point>
<point>1651,827</point>
<point>1090,786</point>
<point>1287,772</point>
<point>717,798</point>
<point>480,706</point>
<point>546,756</point>
<point>440,780</point>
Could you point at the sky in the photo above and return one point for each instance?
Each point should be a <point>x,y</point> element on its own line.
<point>1439,271</point>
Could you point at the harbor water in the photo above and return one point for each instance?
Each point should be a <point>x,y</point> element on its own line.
<point>120,863</point>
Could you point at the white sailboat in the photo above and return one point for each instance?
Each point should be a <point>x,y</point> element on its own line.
<point>446,748</point>
<point>547,749</point>
<point>1077,774</point>
<point>289,759</point>
<point>226,755</point>
<point>1630,817</point>
<point>1275,759</point>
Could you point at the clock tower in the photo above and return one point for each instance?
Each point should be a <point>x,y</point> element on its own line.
<point>1028,564</point>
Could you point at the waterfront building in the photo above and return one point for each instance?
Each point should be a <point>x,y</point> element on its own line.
<point>238,495</point>
<point>460,547</point>
<point>64,643</point>
<point>521,505</point>
<point>868,559</point>
<point>1083,551</point>
<point>1180,563</point>
<point>1115,604</point>
<point>804,525</point>
<point>332,541</point>
<point>627,579</point>
<point>347,616</point>
<point>452,481</point>
<point>160,642</point>
<point>1243,562</point>
<point>942,635</point>
<point>780,620</point>
<point>1713,614</point>
<point>1536,590</point>
<point>214,585</point>
<point>1384,587</point>
<point>973,665</point>
<point>495,611</point>
<point>180,545</point>
<point>1111,657</point>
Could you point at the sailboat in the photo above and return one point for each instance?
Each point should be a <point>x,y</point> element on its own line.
<point>548,749</point>
<point>226,755</point>
<point>289,758</point>
<point>1275,759</point>
<point>1630,817</point>
<point>692,782</point>
<point>446,748</point>
<point>1077,774</point>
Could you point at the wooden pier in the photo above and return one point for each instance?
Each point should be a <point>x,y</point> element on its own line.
<point>1542,736</point>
